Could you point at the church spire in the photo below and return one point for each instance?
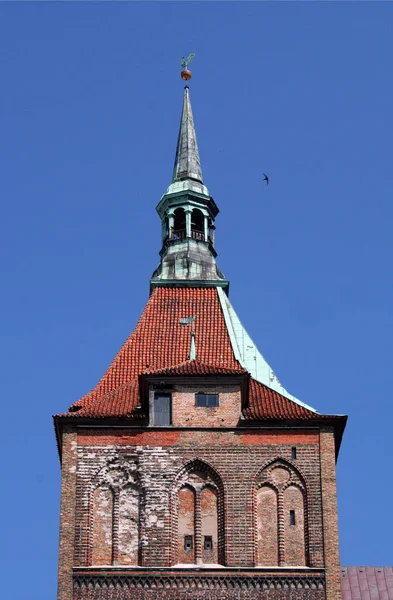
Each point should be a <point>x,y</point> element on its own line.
<point>187,163</point>
<point>187,213</point>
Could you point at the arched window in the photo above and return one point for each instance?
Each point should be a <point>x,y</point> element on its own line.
<point>197,224</point>
<point>281,517</point>
<point>198,516</point>
<point>209,528</point>
<point>179,224</point>
<point>115,515</point>
<point>186,526</point>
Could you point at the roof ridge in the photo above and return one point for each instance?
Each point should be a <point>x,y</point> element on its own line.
<point>196,361</point>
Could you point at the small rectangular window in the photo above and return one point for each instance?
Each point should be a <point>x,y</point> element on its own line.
<point>292,519</point>
<point>294,452</point>
<point>208,543</point>
<point>162,409</point>
<point>209,400</point>
<point>188,542</point>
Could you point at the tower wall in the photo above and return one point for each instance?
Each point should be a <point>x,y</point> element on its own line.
<point>330,517</point>
<point>145,471</point>
<point>67,512</point>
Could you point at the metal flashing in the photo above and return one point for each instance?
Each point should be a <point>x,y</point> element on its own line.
<point>247,353</point>
<point>189,283</point>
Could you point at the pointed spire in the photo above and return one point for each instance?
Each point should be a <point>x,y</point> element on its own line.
<point>187,163</point>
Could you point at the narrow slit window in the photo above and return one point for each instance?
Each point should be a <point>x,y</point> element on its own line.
<point>292,519</point>
<point>188,542</point>
<point>294,452</point>
<point>209,400</point>
<point>208,542</point>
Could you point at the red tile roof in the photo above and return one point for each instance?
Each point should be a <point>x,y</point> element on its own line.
<point>367,583</point>
<point>265,403</point>
<point>196,367</point>
<point>160,345</point>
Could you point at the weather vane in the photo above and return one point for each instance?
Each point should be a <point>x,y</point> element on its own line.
<point>186,73</point>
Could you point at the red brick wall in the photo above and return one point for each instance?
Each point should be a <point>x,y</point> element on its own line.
<point>267,527</point>
<point>147,471</point>
<point>330,517</point>
<point>280,489</point>
<point>178,437</point>
<point>186,414</point>
<point>67,512</point>
<point>236,464</point>
<point>102,526</point>
<point>294,535</point>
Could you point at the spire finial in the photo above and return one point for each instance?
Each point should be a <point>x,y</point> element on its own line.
<point>186,73</point>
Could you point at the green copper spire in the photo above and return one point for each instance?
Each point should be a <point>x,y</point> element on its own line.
<point>187,163</point>
<point>187,213</point>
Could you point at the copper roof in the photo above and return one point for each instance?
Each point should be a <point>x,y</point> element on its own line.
<point>367,583</point>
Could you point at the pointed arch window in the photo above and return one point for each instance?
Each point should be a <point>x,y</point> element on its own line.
<point>115,503</point>
<point>198,518</point>
<point>281,516</point>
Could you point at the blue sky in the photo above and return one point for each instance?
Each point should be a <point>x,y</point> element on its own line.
<point>89,111</point>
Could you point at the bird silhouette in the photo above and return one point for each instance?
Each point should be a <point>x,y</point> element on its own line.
<point>266,178</point>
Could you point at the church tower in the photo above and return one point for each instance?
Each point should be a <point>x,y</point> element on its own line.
<point>189,471</point>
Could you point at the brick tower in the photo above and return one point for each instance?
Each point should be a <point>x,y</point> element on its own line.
<point>189,471</point>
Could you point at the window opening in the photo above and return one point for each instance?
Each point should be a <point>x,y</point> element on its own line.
<point>162,409</point>
<point>208,542</point>
<point>197,221</point>
<point>294,452</point>
<point>188,542</point>
<point>292,519</point>
<point>209,400</point>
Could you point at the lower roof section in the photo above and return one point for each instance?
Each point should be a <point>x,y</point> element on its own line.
<point>367,583</point>
<point>161,342</point>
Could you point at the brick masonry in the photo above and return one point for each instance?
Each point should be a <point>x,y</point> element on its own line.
<point>67,512</point>
<point>186,414</point>
<point>245,586</point>
<point>130,495</point>
<point>330,516</point>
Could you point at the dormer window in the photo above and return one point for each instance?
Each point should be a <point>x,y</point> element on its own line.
<point>162,409</point>
<point>206,400</point>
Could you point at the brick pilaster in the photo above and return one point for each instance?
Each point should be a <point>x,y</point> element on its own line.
<point>329,514</point>
<point>67,513</point>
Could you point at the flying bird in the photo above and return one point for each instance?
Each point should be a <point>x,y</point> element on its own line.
<point>266,178</point>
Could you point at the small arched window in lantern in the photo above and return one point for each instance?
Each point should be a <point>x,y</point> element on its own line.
<point>198,224</point>
<point>179,224</point>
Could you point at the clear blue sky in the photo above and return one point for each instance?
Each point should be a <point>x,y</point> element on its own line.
<point>89,109</point>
